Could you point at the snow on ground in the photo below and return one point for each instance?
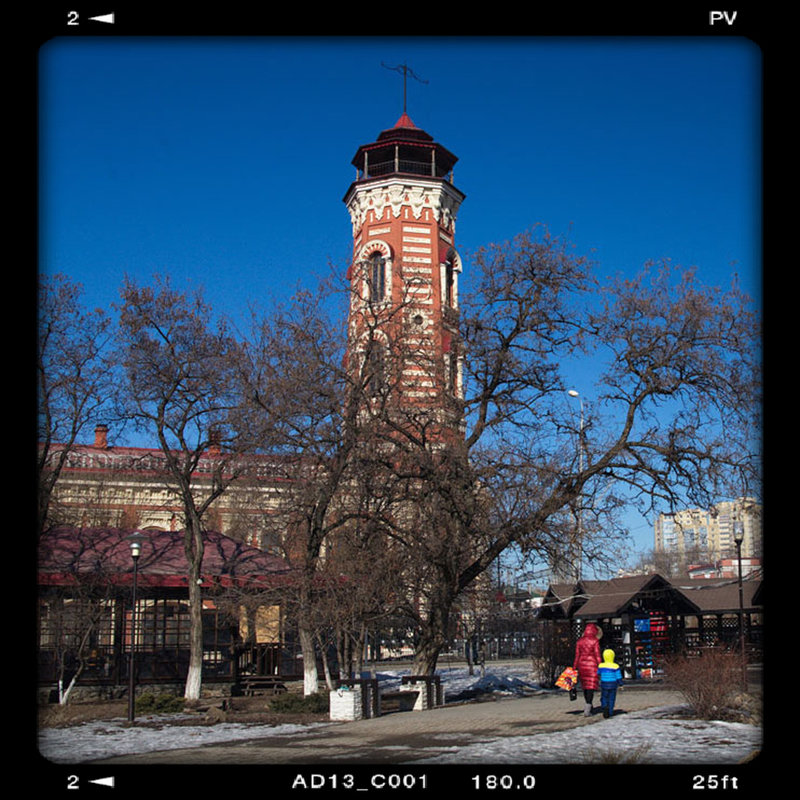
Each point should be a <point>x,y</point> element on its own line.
<point>645,736</point>
<point>641,737</point>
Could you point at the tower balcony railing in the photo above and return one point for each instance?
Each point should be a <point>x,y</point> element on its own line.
<point>400,166</point>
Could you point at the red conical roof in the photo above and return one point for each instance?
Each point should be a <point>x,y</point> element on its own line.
<point>404,122</point>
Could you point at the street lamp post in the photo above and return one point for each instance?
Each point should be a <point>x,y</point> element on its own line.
<point>738,537</point>
<point>135,540</point>
<point>574,393</point>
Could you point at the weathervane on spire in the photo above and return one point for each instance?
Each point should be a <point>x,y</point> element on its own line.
<point>406,70</point>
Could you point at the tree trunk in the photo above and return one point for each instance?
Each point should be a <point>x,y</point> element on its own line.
<point>194,555</point>
<point>310,674</point>
<point>433,636</point>
<point>470,643</point>
<point>194,677</point>
<point>357,655</point>
<point>326,668</point>
<point>64,694</point>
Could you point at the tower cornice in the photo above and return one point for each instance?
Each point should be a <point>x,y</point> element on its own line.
<point>398,191</point>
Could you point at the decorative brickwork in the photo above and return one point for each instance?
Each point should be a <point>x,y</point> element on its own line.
<point>404,275</point>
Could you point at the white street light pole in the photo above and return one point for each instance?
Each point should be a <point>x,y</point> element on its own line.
<point>135,540</point>
<point>738,538</point>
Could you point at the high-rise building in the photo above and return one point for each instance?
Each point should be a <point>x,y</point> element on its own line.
<point>700,534</point>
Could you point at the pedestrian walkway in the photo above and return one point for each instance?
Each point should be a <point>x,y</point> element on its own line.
<point>409,736</point>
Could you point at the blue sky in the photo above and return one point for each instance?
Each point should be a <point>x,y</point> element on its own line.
<point>224,161</point>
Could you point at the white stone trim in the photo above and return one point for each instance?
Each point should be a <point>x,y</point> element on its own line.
<point>393,194</point>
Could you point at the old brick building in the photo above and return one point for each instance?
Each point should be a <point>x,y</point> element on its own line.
<point>404,274</point>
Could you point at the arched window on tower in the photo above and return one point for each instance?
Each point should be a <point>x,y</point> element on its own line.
<point>449,282</point>
<point>377,277</point>
<point>450,364</point>
<point>451,373</point>
<point>376,370</point>
<point>449,286</point>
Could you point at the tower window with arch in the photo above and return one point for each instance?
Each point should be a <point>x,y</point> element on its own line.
<point>376,370</point>
<point>376,277</point>
<point>451,373</point>
<point>449,280</point>
<point>451,365</point>
<point>449,287</point>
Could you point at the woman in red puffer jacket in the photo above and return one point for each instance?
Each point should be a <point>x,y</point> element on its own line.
<point>587,657</point>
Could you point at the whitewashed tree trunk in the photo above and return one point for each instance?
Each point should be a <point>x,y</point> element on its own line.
<point>63,694</point>
<point>194,682</point>
<point>310,674</point>
<point>194,548</point>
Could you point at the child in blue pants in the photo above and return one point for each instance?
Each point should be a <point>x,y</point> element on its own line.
<point>610,679</point>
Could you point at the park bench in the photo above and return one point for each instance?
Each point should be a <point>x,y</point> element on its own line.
<point>257,684</point>
<point>405,700</point>
<point>420,692</point>
<point>370,702</point>
<point>374,701</point>
<point>432,686</point>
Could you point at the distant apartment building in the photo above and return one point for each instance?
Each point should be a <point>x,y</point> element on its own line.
<point>700,535</point>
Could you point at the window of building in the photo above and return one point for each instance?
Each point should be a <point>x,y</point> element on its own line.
<point>449,282</point>
<point>451,372</point>
<point>376,370</point>
<point>377,277</point>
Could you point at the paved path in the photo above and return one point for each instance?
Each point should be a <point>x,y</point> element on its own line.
<point>405,737</point>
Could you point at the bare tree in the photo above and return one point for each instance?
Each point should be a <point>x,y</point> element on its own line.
<point>182,386</point>
<point>300,387</point>
<point>74,378</point>
<point>673,418</point>
<point>499,460</point>
<point>319,404</point>
<point>360,590</point>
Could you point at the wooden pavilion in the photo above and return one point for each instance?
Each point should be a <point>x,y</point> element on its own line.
<point>644,618</point>
<point>85,578</point>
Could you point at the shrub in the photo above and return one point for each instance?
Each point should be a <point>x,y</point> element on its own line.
<point>298,704</point>
<point>708,682</point>
<point>163,703</point>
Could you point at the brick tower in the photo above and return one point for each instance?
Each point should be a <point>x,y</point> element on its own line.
<point>404,276</point>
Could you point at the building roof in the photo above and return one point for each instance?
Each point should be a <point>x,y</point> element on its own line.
<point>612,598</point>
<point>625,595</point>
<point>404,121</point>
<point>559,600</point>
<point>720,596</point>
<point>71,555</point>
<point>406,135</point>
<point>121,460</point>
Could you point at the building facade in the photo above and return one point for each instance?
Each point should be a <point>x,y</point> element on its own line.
<point>404,275</point>
<point>106,485</point>
<point>699,535</point>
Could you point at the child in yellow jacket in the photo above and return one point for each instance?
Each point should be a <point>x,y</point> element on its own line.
<point>610,678</point>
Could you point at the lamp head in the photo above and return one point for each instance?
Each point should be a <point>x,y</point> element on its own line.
<point>135,541</point>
